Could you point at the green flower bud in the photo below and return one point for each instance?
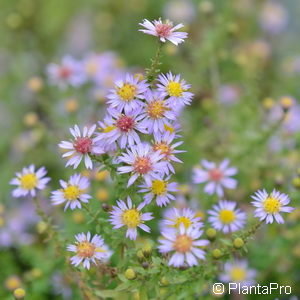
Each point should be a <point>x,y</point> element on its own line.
<point>147,249</point>
<point>130,274</point>
<point>238,243</point>
<point>211,233</point>
<point>217,253</point>
<point>19,293</point>
<point>164,281</point>
<point>140,255</point>
<point>296,182</point>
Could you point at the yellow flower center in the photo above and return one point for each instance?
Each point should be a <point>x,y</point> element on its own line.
<point>156,109</point>
<point>183,243</point>
<point>131,218</point>
<point>174,89</point>
<point>226,216</point>
<point>127,92</point>
<point>29,181</point>
<point>238,274</point>
<point>72,192</point>
<point>169,128</point>
<point>163,148</point>
<point>272,205</point>
<point>183,220</point>
<point>159,187</point>
<point>85,249</point>
<point>108,128</point>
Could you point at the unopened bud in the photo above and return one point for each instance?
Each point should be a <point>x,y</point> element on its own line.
<point>296,182</point>
<point>238,243</point>
<point>19,293</point>
<point>217,253</point>
<point>164,281</point>
<point>130,274</point>
<point>211,233</point>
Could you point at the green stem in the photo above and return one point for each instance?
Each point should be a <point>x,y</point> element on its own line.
<point>153,70</point>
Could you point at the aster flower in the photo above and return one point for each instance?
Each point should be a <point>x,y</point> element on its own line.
<point>226,217</point>
<point>175,89</point>
<point>28,181</point>
<point>81,147</point>
<point>157,113</point>
<point>164,31</point>
<point>89,250</point>
<point>238,272</point>
<point>269,206</point>
<point>174,218</point>
<point>129,216</point>
<point>185,243</point>
<point>163,144</point>
<point>159,189</point>
<point>126,94</point>
<point>122,127</point>
<point>142,162</point>
<point>69,72</point>
<point>217,177</point>
<point>72,192</point>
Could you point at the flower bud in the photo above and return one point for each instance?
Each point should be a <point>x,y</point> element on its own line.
<point>286,103</point>
<point>19,293</point>
<point>140,255</point>
<point>217,253</point>
<point>147,249</point>
<point>164,281</point>
<point>211,233</point>
<point>145,265</point>
<point>130,274</point>
<point>106,207</point>
<point>296,182</point>
<point>238,243</point>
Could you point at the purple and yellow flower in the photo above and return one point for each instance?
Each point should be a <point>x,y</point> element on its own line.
<point>127,93</point>
<point>159,189</point>
<point>164,31</point>
<point>129,216</point>
<point>175,89</point>
<point>72,192</point>
<point>174,218</point>
<point>142,162</point>
<point>186,245</point>
<point>81,147</point>
<point>69,72</point>
<point>157,113</point>
<point>269,206</point>
<point>163,144</point>
<point>28,181</point>
<point>88,250</point>
<point>122,128</point>
<point>217,177</point>
<point>226,217</point>
<point>238,272</point>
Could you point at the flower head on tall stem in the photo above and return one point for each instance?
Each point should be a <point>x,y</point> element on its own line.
<point>88,250</point>
<point>164,31</point>
<point>269,206</point>
<point>28,181</point>
<point>131,217</point>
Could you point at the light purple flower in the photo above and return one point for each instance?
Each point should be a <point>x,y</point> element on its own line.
<point>157,113</point>
<point>142,162</point>
<point>122,128</point>
<point>186,245</point>
<point>238,272</point>
<point>174,218</point>
<point>175,89</point>
<point>127,93</point>
<point>269,206</point>
<point>89,250</point>
<point>72,192</point>
<point>217,177</point>
<point>226,217</point>
<point>163,143</point>
<point>159,189</point>
<point>131,217</point>
<point>81,147</point>
<point>165,31</point>
<point>28,181</point>
<point>69,72</point>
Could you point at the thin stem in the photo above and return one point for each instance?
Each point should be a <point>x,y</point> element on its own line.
<point>153,70</point>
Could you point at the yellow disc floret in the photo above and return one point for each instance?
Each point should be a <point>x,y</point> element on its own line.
<point>85,249</point>
<point>174,89</point>
<point>72,192</point>
<point>127,92</point>
<point>156,109</point>
<point>29,181</point>
<point>272,205</point>
<point>238,274</point>
<point>183,220</point>
<point>183,243</point>
<point>131,218</point>
<point>159,187</point>
<point>226,216</point>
